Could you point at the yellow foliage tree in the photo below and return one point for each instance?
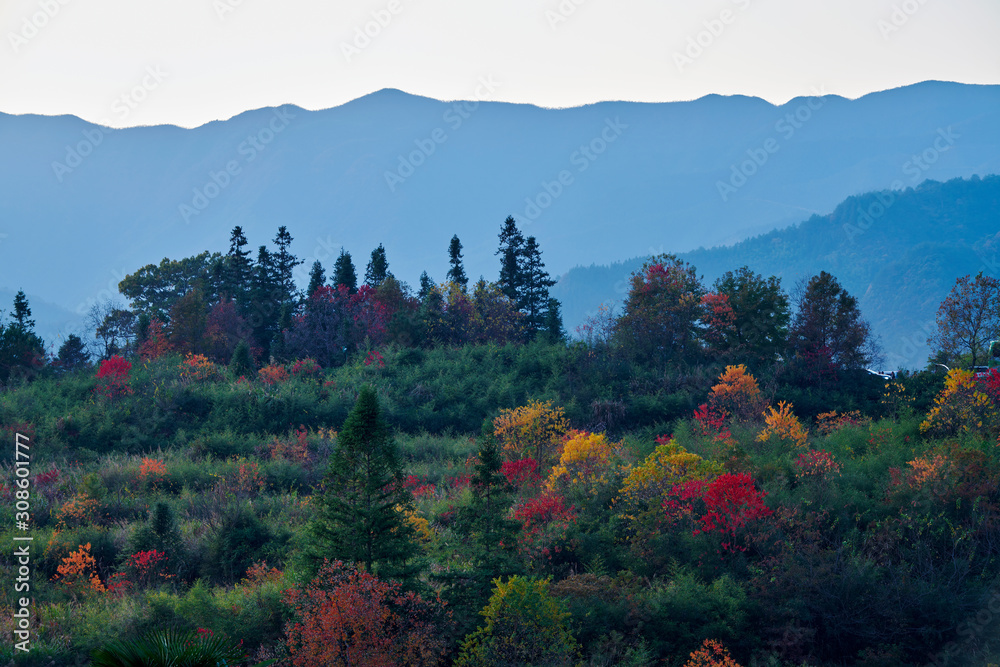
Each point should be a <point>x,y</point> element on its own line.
<point>781,423</point>
<point>960,407</point>
<point>588,461</point>
<point>535,430</point>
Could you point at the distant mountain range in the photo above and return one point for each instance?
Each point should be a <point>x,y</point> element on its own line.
<point>81,205</point>
<point>898,251</point>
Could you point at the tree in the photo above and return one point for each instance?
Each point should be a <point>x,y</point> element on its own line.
<point>426,284</point>
<point>554,322</point>
<point>224,329</point>
<point>360,516</point>
<point>284,266</point>
<point>21,350</point>
<point>456,273</point>
<point>511,253</point>
<point>241,363</point>
<point>114,327</point>
<point>533,294</point>
<point>154,288</point>
<point>760,311</point>
<point>828,332</point>
<point>266,295</point>
<point>344,273</point>
<point>969,318</point>
<point>317,278</point>
<point>239,269</point>
<point>22,312</point>
<point>523,625</point>
<point>187,322</point>
<point>73,354</point>
<point>659,322</point>
<point>378,267</point>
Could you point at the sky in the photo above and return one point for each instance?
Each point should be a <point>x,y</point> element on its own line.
<point>187,62</point>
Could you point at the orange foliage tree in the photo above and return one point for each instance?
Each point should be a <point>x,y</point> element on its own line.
<point>346,616</point>
<point>78,571</point>
<point>711,654</point>
<point>737,394</point>
<point>534,430</point>
<point>784,425</point>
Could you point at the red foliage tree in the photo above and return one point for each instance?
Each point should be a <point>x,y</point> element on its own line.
<point>724,506</point>
<point>346,616</point>
<point>113,374</point>
<point>156,343</point>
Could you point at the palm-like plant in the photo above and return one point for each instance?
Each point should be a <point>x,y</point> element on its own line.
<point>170,648</point>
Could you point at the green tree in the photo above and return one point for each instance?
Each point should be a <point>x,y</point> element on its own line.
<point>456,273</point>
<point>284,267</point>
<point>344,273</point>
<point>266,295</point>
<point>523,625</point>
<point>359,515</point>
<point>154,288</point>
<point>968,318</point>
<point>828,332</point>
<point>761,314</point>
<point>425,286</point>
<point>239,269</point>
<point>378,267</point>
<point>317,278</point>
<point>22,312</point>
<point>73,354</point>
<point>554,323</point>
<point>242,361</point>
<point>534,290</point>
<point>511,253</point>
<point>188,318</point>
<point>21,350</point>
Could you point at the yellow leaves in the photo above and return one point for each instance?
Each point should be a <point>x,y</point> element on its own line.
<point>926,469</point>
<point>534,430</point>
<point>960,407</point>
<point>587,459</point>
<point>420,525</point>
<point>781,423</point>
<point>669,464</point>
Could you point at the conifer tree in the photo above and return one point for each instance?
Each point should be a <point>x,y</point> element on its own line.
<point>242,363</point>
<point>360,513</point>
<point>22,312</point>
<point>425,285</point>
<point>456,273</point>
<point>73,354</point>
<point>378,267</point>
<point>284,266</point>
<point>239,268</point>
<point>511,253</point>
<point>553,322</point>
<point>344,273</point>
<point>533,295</point>
<point>317,278</point>
<point>265,293</point>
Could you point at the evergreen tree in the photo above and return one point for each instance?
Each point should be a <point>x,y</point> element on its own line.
<point>360,513</point>
<point>533,294</point>
<point>511,253</point>
<point>22,312</point>
<point>760,315</point>
<point>378,267</point>
<point>187,322</point>
<point>317,278</point>
<point>344,273</point>
<point>242,361</point>
<point>73,354</point>
<point>554,323</point>
<point>456,273</point>
<point>284,266</point>
<point>425,285</point>
<point>493,534</point>
<point>239,269</point>
<point>266,295</point>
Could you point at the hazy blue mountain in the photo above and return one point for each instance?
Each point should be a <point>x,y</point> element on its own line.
<point>898,251</point>
<point>81,206</point>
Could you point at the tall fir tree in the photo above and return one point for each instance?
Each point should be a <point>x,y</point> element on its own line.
<point>378,267</point>
<point>554,323</point>
<point>22,312</point>
<point>425,286</point>
<point>533,297</point>
<point>344,273</point>
<point>511,253</point>
<point>239,269</point>
<point>360,514</point>
<point>73,354</point>
<point>456,273</point>
<point>266,299</point>
<point>317,278</point>
<point>284,266</point>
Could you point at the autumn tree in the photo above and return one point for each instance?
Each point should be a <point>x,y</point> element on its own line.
<point>760,315</point>
<point>496,318</point>
<point>535,430</point>
<point>828,333</point>
<point>660,314</point>
<point>347,616</point>
<point>344,273</point>
<point>378,267</point>
<point>224,329</point>
<point>456,273</point>
<point>360,514</point>
<point>969,318</point>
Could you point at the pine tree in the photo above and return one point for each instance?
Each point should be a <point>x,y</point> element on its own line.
<point>378,267</point>
<point>425,285</point>
<point>239,269</point>
<point>266,296</point>
<point>242,363</point>
<point>554,323</point>
<point>317,278</point>
<point>284,266</point>
<point>456,273</point>
<point>22,312</point>
<point>73,354</point>
<point>511,253</point>
<point>533,295</point>
<point>360,513</point>
<point>344,273</point>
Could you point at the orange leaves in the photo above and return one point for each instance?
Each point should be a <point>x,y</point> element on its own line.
<point>78,571</point>
<point>737,394</point>
<point>197,367</point>
<point>79,510</point>
<point>346,616</point>
<point>784,425</point>
<point>152,471</point>
<point>272,374</point>
<point>961,407</point>
<point>711,654</point>
<point>534,430</point>
<point>829,422</point>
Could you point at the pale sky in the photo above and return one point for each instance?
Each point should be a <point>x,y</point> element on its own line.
<point>187,62</point>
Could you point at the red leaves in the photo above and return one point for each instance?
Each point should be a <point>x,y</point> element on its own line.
<point>725,505</point>
<point>113,374</point>
<point>522,472</point>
